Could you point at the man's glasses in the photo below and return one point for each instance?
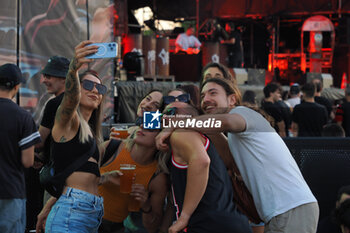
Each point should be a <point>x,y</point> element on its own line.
<point>182,98</point>
<point>89,85</point>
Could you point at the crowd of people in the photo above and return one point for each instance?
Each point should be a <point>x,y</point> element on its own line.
<point>183,178</point>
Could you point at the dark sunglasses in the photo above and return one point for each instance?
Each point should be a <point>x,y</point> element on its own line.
<point>182,98</point>
<point>89,85</point>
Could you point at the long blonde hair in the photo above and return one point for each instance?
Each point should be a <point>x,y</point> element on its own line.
<point>161,157</point>
<point>93,127</point>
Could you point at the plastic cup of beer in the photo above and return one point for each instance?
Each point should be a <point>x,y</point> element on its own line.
<point>134,205</point>
<point>126,180</point>
<point>121,133</point>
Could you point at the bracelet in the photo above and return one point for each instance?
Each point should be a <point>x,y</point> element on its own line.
<point>146,212</point>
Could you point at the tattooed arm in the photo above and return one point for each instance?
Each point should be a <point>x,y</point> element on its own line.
<point>67,110</point>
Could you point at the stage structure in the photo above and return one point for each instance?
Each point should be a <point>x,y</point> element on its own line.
<point>317,55</point>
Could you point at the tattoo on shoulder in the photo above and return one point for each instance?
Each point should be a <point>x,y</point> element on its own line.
<point>63,139</point>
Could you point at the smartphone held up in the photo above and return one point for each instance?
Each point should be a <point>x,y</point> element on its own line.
<point>105,50</point>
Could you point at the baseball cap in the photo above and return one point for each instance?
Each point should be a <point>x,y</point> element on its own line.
<point>56,66</point>
<point>294,89</point>
<point>10,75</point>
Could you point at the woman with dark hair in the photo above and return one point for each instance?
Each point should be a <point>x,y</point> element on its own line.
<point>149,103</point>
<point>75,136</point>
<point>193,90</point>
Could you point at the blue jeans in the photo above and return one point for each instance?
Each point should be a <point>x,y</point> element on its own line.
<point>12,215</point>
<point>75,211</point>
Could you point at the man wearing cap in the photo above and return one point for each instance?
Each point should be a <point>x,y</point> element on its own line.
<point>54,74</point>
<point>18,135</point>
<point>54,78</point>
<point>295,94</point>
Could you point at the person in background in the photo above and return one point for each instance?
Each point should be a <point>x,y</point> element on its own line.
<point>309,117</point>
<point>249,97</point>
<point>270,106</point>
<point>326,224</point>
<point>187,41</point>
<point>285,111</point>
<point>332,130</point>
<point>54,74</point>
<point>323,100</point>
<point>18,134</point>
<point>234,46</point>
<point>343,112</point>
<point>342,216</point>
<point>216,70</point>
<point>295,94</point>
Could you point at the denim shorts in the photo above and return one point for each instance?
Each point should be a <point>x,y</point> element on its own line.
<point>12,215</point>
<point>75,211</point>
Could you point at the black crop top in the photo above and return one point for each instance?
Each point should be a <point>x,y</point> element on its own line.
<point>67,152</point>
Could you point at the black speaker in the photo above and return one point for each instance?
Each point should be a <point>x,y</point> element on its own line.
<point>134,64</point>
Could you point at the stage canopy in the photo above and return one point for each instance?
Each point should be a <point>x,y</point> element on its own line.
<point>240,8</point>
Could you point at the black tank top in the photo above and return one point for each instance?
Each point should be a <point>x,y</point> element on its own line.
<point>67,152</point>
<point>216,212</point>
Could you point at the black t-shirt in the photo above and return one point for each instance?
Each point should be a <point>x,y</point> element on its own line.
<point>236,47</point>
<point>286,114</point>
<point>50,111</point>
<point>326,225</point>
<point>325,102</point>
<point>48,121</point>
<point>274,110</point>
<point>17,132</point>
<point>310,117</point>
<point>346,118</point>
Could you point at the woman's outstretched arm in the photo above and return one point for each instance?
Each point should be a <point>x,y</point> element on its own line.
<point>71,98</point>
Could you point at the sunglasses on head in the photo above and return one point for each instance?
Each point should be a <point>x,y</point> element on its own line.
<point>89,85</point>
<point>182,98</point>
